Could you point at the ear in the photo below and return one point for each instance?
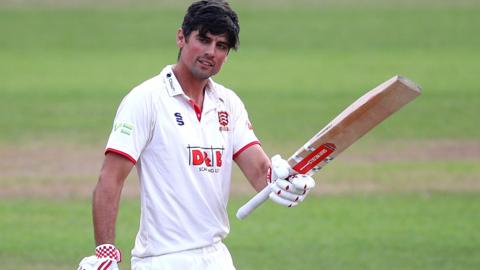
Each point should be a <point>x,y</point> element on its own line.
<point>180,38</point>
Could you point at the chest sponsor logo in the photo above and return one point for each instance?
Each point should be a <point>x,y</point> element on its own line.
<point>223,120</point>
<point>206,159</point>
<point>179,118</point>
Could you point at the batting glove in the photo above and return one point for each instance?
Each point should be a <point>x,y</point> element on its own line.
<point>280,169</point>
<point>288,190</point>
<point>106,257</point>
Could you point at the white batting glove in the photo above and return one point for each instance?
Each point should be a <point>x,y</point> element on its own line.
<point>280,169</point>
<point>288,190</point>
<point>106,257</point>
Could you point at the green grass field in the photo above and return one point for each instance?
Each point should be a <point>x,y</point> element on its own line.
<point>405,197</point>
<point>401,231</point>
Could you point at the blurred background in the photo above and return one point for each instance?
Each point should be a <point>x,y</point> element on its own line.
<point>403,197</point>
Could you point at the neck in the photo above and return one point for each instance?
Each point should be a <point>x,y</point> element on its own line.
<point>193,87</point>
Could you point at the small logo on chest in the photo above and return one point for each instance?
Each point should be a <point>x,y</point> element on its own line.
<point>179,118</point>
<point>223,120</point>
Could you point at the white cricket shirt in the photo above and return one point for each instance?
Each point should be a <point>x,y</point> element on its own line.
<point>184,160</point>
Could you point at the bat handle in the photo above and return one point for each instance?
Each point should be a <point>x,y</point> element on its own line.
<point>253,203</point>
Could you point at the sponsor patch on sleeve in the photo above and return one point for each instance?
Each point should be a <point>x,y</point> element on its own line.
<point>124,128</point>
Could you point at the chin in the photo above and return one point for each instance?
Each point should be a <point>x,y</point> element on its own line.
<point>204,74</point>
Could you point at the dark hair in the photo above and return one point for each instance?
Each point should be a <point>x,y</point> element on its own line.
<point>214,17</point>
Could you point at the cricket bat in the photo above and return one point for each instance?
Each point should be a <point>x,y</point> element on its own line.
<point>355,121</point>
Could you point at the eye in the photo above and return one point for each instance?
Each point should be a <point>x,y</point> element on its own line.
<point>222,46</point>
<point>203,40</point>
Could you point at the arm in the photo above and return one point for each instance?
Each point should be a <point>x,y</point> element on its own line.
<point>254,164</point>
<point>106,196</point>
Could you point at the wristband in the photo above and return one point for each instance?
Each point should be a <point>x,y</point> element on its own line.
<point>108,251</point>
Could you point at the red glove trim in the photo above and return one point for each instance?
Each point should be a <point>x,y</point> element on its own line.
<point>108,251</point>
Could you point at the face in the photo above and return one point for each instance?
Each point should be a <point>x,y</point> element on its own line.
<point>203,56</point>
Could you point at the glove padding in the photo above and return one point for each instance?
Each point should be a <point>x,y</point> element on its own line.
<point>280,169</point>
<point>288,190</point>
<point>106,257</point>
<point>292,191</point>
<point>94,263</point>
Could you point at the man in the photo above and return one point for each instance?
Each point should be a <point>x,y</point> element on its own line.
<point>182,131</point>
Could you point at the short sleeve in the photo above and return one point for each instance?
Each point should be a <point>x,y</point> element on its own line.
<point>243,134</point>
<point>132,127</point>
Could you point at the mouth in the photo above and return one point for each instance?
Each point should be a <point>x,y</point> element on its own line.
<point>206,62</point>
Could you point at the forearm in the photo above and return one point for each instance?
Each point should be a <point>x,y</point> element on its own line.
<point>255,165</point>
<point>259,181</point>
<point>104,211</point>
<point>105,204</point>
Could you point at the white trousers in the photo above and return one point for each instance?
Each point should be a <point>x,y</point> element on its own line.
<point>214,257</point>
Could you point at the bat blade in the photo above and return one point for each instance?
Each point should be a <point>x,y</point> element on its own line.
<point>350,125</point>
<point>355,121</point>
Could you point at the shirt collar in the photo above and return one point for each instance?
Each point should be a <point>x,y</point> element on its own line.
<point>171,82</point>
<point>174,89</point>
<point>173,86</point>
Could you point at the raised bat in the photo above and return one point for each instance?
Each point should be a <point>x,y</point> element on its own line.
<point>345,129</point>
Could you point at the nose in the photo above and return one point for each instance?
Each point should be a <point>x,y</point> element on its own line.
<point>210,49</point>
